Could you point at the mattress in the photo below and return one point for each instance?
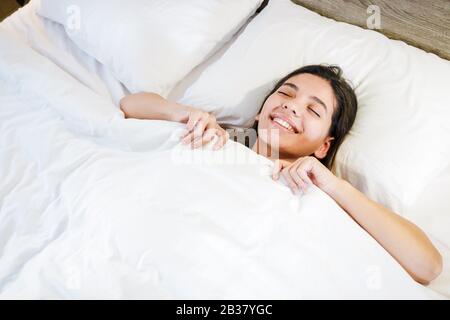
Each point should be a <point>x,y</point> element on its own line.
<point>78,220</point>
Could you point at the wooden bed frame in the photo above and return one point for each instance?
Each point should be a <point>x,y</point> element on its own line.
<point>423,24</point>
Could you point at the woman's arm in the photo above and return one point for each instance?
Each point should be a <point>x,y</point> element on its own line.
<point>402,239</point>
<point>201,126</point>
<point>148,105</point>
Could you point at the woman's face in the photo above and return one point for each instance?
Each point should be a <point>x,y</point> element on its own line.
<point>299,113</point>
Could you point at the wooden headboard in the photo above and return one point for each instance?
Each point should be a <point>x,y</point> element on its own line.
<point>423,24</point>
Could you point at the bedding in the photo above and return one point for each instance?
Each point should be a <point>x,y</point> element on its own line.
<point>87,212</point>
<point>397,150</point>
<point>90,207</point>
<point>146,55</point>
<point>50,39</point>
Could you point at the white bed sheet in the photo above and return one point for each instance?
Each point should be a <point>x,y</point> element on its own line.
<point>49,40</point>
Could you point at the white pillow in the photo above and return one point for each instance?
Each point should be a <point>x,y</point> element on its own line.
<point>149,44</point>
<point>400,139</point>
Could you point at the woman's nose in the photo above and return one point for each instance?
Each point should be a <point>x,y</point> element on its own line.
<point>290,109</point>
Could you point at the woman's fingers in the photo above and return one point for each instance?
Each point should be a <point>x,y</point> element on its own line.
<point>192,121</point>
<point>196,133</point>
<point>304,175</point>
<point>223,137</point>
<point>295,174</point>
<point>298,179</point>
<point>208,135</point>
<point>188,138</point>
<point>189,135</point>
<point>290,181</point>
<point>276,169</point>
<point>201,128</point>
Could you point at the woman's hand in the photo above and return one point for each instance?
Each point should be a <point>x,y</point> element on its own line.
<point>202,127</point>
<point>304,172</point>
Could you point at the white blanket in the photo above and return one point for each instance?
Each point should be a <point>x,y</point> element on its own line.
<point>96,206</point>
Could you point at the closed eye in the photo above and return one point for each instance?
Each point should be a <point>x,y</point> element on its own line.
<point>283,93</point>
<point>316,113</point>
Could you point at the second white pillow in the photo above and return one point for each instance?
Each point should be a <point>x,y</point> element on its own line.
<point>149,45</point>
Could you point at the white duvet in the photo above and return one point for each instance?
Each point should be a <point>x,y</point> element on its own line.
<point>96,206</point>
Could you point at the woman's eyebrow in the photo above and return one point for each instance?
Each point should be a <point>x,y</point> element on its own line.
<point>293,86</point>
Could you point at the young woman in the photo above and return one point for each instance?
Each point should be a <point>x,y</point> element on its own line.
<point>310,110</point>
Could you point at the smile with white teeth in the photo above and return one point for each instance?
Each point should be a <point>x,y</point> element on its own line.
<point>284,124</point>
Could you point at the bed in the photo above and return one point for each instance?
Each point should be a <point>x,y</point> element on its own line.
<point>95,206</point>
